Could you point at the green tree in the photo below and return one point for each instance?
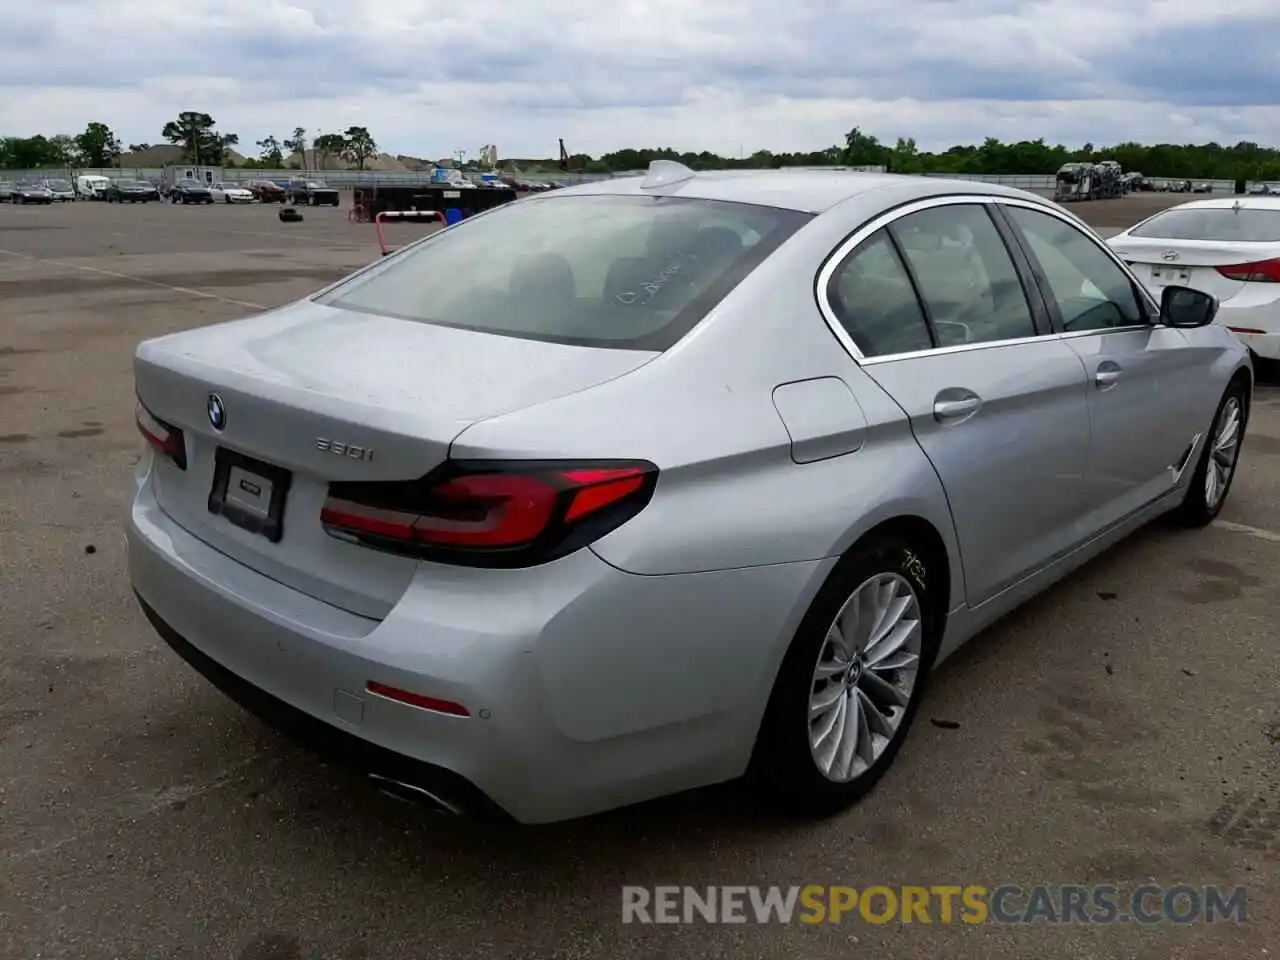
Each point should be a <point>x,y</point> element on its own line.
<point>97,146</point>
<point>862,150</point>
<point>31,153</point>
<point>65,151</point>
<point>904,158</point>
<point>328,145</point>
<point>361,146</point>
<point>297,143</point>
<point>270,156</point>
<point>198,135</point>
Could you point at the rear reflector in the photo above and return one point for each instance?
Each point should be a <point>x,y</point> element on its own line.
<point>165,439</point>
<point>417,699</point>
<point>1245,330</point>
<point>1264,271</point>
<point>505,514</point>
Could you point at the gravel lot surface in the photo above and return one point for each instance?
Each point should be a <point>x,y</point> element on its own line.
<point>1124,728</point>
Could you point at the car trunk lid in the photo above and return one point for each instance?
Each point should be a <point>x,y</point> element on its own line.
<point>1160,263</point>
<point>330,395</point>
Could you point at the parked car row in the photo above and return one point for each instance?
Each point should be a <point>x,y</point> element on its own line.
<point>43,191</point>
<point>131,191</point>
<point>299,190</point>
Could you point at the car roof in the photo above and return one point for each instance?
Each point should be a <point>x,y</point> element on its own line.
<point>809,191</point>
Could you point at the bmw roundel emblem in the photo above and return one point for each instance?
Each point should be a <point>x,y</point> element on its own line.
<point>217,412</point>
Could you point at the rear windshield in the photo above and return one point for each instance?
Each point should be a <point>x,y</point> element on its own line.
<point>609,271</point>
<point>59,185</point>
<point>1248,225</point>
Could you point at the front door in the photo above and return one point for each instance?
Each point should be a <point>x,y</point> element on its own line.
<point>940,314</point>
<point>1145,417</point>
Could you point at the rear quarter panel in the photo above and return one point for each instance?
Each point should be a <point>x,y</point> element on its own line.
<point>730,494</point>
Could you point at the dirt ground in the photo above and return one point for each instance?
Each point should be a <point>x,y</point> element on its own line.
<point>1126,211</point>
<point>1124,728</point>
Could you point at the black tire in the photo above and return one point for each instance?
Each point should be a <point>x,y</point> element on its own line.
<point>1195,509</point>
<point>781,764</point>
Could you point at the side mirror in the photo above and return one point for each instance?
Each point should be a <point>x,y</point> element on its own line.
<point>1184,307</point>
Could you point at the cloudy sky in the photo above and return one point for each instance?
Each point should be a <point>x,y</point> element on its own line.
<point>431,77</point>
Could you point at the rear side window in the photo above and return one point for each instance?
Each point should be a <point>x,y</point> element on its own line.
<point>966,276</point>
<point>609,271</point>
<point>1245,225</point>
<point>872,297</point>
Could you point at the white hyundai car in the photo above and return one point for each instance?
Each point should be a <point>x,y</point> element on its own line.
<point>1228,247</point>
<point>231,193</point>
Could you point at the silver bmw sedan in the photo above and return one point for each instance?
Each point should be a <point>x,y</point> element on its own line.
<point>661,481</point>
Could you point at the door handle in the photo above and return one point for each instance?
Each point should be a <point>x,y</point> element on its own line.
<point>954,409</point>
<point>1106,378</point>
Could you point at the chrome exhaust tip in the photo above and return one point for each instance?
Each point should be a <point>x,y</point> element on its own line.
<point>411,793</point>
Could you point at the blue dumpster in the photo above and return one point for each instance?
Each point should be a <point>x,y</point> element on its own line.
<point>452,215</point>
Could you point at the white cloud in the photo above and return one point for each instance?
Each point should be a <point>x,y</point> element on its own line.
<point>430,77</point>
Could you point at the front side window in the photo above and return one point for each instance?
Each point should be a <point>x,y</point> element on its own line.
<point>872,297</point>
<point>609,271</point>
<point>1091,290</point>
<point>965,274</point>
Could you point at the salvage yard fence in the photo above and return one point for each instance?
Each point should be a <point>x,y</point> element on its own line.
<point>350,179</point>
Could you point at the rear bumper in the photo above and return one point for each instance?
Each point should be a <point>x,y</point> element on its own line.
<point>445,788</point>
<point>1257,326</point>
<point>587,688</point>
<point>1265,345</point>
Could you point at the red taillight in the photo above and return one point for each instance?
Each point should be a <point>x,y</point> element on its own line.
<point>1264,271</point>
<point>165,439</point>
<point>491,514</point>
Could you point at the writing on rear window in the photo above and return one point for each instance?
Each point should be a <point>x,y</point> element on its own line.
<point>620,271</point>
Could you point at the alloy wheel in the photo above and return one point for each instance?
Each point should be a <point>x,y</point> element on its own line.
<point>865,676</point>
<point>1223,454</point>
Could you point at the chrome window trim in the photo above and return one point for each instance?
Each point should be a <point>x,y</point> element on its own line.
<point>837,256</point>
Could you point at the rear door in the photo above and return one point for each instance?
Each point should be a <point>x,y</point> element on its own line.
<point>1145,405</point>
<point>949,323</point>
